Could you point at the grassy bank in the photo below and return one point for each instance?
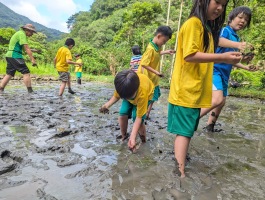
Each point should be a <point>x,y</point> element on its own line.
<point>253,89</point>
<point>44,71</point>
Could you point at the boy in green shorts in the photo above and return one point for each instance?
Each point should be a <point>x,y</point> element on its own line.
<point>150,62</point>
<point>61,61</point>
<point>78,69</point>
<point>136,90</point>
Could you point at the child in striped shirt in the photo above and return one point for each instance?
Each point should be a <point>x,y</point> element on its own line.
<point>136,58</point>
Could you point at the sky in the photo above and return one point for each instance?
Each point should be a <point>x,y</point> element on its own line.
<point>50,13</point>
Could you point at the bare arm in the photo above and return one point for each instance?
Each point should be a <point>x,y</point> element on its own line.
<point>152,70</point>
<point>135,129</point>
<point>228,57</point>
<point>223,42</point>
<point>54,62</point>
<point>171,52</point>
<point>74,63</point>
<point>250,67</point>
<point>106,106</point>
<point>29,52</point>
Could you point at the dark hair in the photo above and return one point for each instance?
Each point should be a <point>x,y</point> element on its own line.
<point>69,41</point>
<point>238,10</point>
<point>77,55</point>
<point>199,9</point>
<point>126,83</point>
<point>164,30</point>
<point>136,50</point>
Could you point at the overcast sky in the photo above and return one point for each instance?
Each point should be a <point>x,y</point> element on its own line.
<point>50,13</point>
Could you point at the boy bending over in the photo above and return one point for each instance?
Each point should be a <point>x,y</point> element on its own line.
<point>136,90</point>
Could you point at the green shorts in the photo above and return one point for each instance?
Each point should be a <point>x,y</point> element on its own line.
<point>130,110</point>
<point>78,74</point>
<point>157,93</point>
<point>183,121</point>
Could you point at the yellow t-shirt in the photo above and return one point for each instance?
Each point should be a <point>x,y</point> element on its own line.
<point>77,67</point>
<point>151,58</point>
<point>62,55</point>
<point>145,93</point>
<point>191,83</point>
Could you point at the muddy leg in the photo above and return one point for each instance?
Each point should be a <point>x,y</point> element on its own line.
<point>123,121</point>
<point>62,87</point>
<point>5,81</point>
<point>181,149</point>
<point>149,110</point>
<point>142,133</point>
<point>216,112</point>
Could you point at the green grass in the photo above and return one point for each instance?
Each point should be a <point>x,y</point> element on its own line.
<point>49,71</point>
<point>252,91</point>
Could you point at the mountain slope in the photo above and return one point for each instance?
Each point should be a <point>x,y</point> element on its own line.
<point>8,18</point>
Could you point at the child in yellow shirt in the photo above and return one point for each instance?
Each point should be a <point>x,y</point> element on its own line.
<point>150,62</point>
<point>136,90</point>
<point>78,68</point>
<point>191,83</point>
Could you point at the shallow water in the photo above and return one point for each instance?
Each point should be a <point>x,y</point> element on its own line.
<point>54,148</point>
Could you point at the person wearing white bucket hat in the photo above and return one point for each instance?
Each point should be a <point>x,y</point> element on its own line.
<point>14,57</point>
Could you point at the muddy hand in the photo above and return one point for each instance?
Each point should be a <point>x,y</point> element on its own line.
<point>160,75</point>
<point>34,65</point>
<point>132,145</point>
<point>104,110</point>
<point>252,68</point>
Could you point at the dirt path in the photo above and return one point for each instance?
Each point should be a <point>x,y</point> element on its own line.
<point>55,148</point>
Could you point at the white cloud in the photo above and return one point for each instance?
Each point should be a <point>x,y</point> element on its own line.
<point>58,11</point>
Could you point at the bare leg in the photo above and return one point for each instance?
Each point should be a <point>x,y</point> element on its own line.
<point>149,110</point>
<point>5,81</point>
<point>215,113</point>
<point>62,87</point>
<point>69,82</point>
<point>142,133</point>
<point>181,149</point>
<point>217,99</point>
<point>27,82</point>
<point>123,121</point>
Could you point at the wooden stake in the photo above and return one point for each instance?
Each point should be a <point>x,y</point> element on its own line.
<point>176,44</point>
<point>164,47</point>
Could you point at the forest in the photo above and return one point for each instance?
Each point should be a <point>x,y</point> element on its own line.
<point>105,34</point>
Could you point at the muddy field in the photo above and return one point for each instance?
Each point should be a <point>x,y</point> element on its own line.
<point>54,148</point>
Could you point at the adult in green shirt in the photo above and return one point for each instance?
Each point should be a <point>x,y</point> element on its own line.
<point>14,57</point>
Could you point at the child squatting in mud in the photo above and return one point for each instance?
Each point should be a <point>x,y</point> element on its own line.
<point>191,83</point>
<point>136,90</point>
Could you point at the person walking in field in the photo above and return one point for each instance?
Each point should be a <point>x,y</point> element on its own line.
<point>61,61</point>
<point>14,58</point>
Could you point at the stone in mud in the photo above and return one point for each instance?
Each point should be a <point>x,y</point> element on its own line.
<point>6,163</point>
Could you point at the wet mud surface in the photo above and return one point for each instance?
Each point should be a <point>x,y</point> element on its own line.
<point>54,148</point>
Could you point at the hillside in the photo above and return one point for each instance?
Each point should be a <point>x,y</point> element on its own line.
<point>8,18</point>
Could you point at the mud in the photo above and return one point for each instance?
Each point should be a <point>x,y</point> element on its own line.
<point>62,148</point>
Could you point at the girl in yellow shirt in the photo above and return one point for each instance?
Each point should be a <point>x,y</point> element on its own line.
<point>191,83</point>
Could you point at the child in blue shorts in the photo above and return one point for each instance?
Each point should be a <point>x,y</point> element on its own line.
<point>238,19</point>
<point>136,90</point>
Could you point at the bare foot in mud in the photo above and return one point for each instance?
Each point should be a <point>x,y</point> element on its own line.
<point>122,138</point>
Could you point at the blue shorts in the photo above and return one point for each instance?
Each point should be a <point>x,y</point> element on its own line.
<point>220,84</point>
<point>130,110</point>
<point>157,93</point>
